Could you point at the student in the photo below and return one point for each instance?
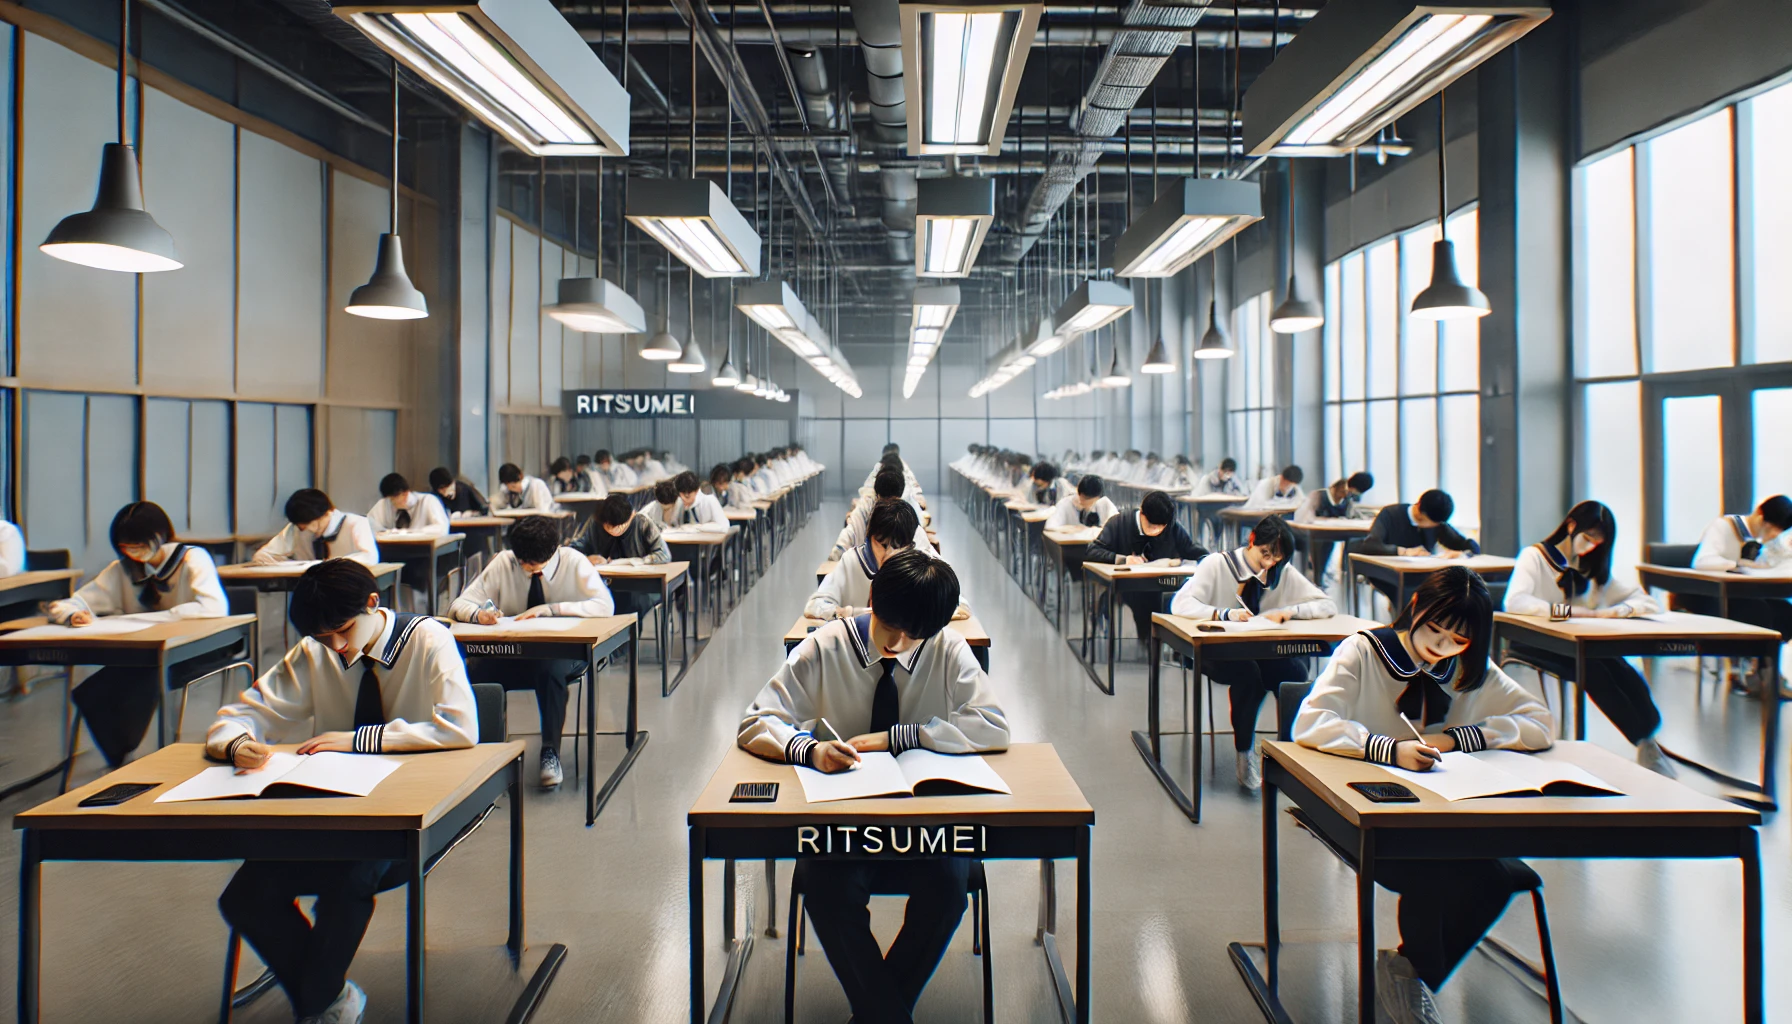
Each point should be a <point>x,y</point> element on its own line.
<point>888,484</point>
<point>519,491</point>
<point>659,511</point>
<point>1569,575</point>
<point>615,473</point>
<point>655,469</point>
<point>1756,541</point>
<point>846,590</point>
<point>1339,501</point>
<point>12,550</point>
<point>1149,533</point>
<point>1430,668</point>
<point>892,679</point>
<point>536,577</point>
<point>1416,530</point>
<point>403,509</point>
<point>1223,480</point>
<point>563,478</point>
<point>1237,586</point>
<point>1184,476</point>
<point>1283,489</point>
<point>743,477</point>
<point>362,680</point>
<point>724,489</point>
<point>154,572</point>
<point>692,509</point>
<point>581,464</point>
<point>617,535</point>
<point>316,529</point>
<point>1085,507</point>
<point>1045,488</point>
<point>457,494</point>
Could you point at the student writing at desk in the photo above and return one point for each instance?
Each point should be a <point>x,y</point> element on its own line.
<point>154,572</point>
<point>316,529</point>
<point>1569,575</point>
<point>363,680</point>
<point>564,478</point>
<point>659,511</point>
<point>517,490</point>
<point>1420,529</point>
<point>692,509</point>
<point>891,679</point>
<point>728,494</point>
<point>1283,489</point>
<point>1085,507</point>
<point>1223,480</point>
<point>614,473</point>
<point>403,509</point>
<point>1148,534</point>
<point>1339,501</point>
<point>846,590</point>
<point>1756,541</point>
<point>887,484</point>
<point>1044,487</point>
<point>1429,668</point>
<point>1238,586</point>
<point>535,577</point>
<point>616,535</point>
<point>457,494</point>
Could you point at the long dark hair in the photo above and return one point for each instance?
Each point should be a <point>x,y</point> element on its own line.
<point>1455,598</point>
<point>1595,565</point>
<point>141,522</point>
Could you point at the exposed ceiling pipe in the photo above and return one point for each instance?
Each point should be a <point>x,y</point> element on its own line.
<point>800,10</point>
<point>811,75</point>
<point>822,35</point>
<point>879,31</point>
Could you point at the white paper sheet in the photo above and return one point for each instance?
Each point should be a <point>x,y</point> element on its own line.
<point>1540,773</point>
<point>270,568</point>
<point>972,770</point>
<point>880,774</point>
<point>349,774</point>
<point>553,624</point>
<point>1257,624</point>
<point>111,625</point>
<point>1463,776</point>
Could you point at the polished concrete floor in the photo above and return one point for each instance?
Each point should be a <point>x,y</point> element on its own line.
<point>1636,941</point>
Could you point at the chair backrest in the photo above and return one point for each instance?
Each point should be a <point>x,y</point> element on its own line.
<point>242,600</point>
<point>1288,698</point>
<point>1674,556</point>
<point>55,558</point>
<point>488,701</point>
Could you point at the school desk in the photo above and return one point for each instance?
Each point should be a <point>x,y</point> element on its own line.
<point>1405,573</point>
<point>698,549</point>
<point>1203,510</point>
<point>408,548</point>
<point>975,636</point>
<point>1116,581</point>
<point>281,577</point>
<point>1720,584</point>
<point>1064,548</point>
<point>664,579</point>
<point>1237,522</point>
<point>637,495</point>
<point>24,591</point>
<point>1326,531</point>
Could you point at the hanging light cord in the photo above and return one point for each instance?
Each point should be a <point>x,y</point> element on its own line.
<point>124,61</point>
<point>1443,171</point>
<point>394,204</point>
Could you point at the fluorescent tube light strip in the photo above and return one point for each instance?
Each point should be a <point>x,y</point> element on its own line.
<point>948,241</point>
<point>1421,49</point>
<point>1176,250</point>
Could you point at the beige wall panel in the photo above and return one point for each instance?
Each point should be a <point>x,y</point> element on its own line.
<point>366,358</point>
<point>189,171</point>
<point>280,272</point>
<point>525,318</point>
<point>553,339</point>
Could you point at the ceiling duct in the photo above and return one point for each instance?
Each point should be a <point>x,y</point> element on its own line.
<point>811,73</point>
<point>880,40</point>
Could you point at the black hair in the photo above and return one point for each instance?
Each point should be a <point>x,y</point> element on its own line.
<point>686,482</point>
<point>1229,465</point>
<point>510,473</point>
<point>615,510</point>
<point>1045,471</point>
<point>1455,598</point>
<point>440,477</point>
<point>533,539</point>
<point>1361,483</point>
<point>666,493</point>
<point>1777,510</point>
<point>308,505</point>
<point>915,592</point>
<point>892,523</point>
<point>582,460</point>
<point>891,461</point>
<point>329,594</point>
<point>1292,474</point>
<point>1273,532</point>
<point>1158,509</point>
<point>1437,505</point>
<point>141,522</point>
<point>744,464</point>
<point>1089,486</point>
<point>888,483</point>
<point>891,447</point>
<point>1595,565</point>
<point>393,484</point>
<point>560,465</point>
<point>603,455</point>
<point>722,472</point>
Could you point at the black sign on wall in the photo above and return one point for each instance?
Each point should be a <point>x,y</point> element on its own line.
<point>672,404</point>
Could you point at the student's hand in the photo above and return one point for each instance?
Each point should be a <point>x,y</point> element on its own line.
<point>1279,615</point>
<point>1134,560</point>
<point>251,756</point>
<point>1451,553</point>
<point>1442,741</point>
<point>1415,756</point>
<point>1239,615</point>
<point>1413,552</point>
<point>833,756</point>
<point>486,617</point>
<point>340,742</point>
<point>960,614</point>
<point>870,741</point>
<point>1606,613</point>
<point>536,612</point>
<point>598,560</point>
<point>81,619</point>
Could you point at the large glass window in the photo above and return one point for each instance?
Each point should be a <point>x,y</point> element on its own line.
<point>1691,242</point>
<point>1251,389</point>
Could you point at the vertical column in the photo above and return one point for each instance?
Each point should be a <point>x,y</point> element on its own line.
<point>475,426</point>
<point>1300,370</point>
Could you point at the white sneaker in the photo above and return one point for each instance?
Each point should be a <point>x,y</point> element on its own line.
<point>1399,993</point>
<point>551,772</point>
<point>1250,770</point>
<point>1650,755</point>
<point>350,1006</point>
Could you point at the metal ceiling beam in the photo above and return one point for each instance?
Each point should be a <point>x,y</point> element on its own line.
<point>823,35</point>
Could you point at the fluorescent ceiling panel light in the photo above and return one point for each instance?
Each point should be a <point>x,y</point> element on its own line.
<point>961,66</point>
<point>697,224</point>
<point>516,65</point>
<point>1043,339</point>
<point>1360,64</point>
<point>1189,220</point>
<point>951,217</point>
<point>774,306</point>
<point>1093,305</point>
<point>596,306</point>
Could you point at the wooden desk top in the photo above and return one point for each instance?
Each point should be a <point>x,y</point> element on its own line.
<point>579,498</point>
<point>1073,534</point>
<point>480,522</point>
<point>1107,571</point>
<point>632,489</point>
<point>156,634</point>
<point>1333,629</point>
<point>524,513</point>
<point>592,630</point>
<point>762,505</point>
<point>1341,527</point>
<point>1019,506</point>
<point>1730,577</point>
<point>28,579</point>
<point>419,793</point>
<point>1650,800</point>
<point>826,567</point>
<point>1482,564</point>
<point>1244,514</point>
<point>402,539</point>
<point>247,571</point>
<point>1037,515</point>
<point>1658,626</point>
<point>1044,795</point>
<point>1211,499</point>
<point>698,537</point>
<point>664,570</point>
<point>744,515</point>
<point>971,629</point>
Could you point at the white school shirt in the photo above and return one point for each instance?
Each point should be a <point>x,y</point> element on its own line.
<point>1352,709</point>
<point>424,692</point>
<point>739,496</point>
<point>428,517</point>
<point>1265,494</point>
<point>619,474</point>
<point>858,523</point>
<point>848,585</point>
<point>1720,549</point>
<point>1533,588</point>
<point>1212,484</point>
<point>572,585</point>
<point>1212,590</point>
<point>591,483</point>
<point>1066,514</point>
<point>705,515</point>
<point>535,495</point>
<point>192,589</point>
<point>943,698</point>
<point>12,550</point>
<point>347,535</point>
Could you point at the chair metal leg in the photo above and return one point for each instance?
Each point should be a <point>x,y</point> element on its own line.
<point>1550,982</point>
<point>233,996</point>
<point>771,898</point>
<point>790,954</point>
<point>977,923</point>
<point>180,719</point>
<point>989,986</point>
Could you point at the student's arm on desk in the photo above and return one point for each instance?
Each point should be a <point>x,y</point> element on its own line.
<point>1325,720</point>
<point>1448,537</point>
<point>201,575</point>
<point>777,725</point>
<point>1106,545</point>
<point>366,550</point>
<point>825,602</point>
<point>277,549</point>
<point>1376,543</point>
<point>483,590</point>
<point>597,602</point>
<point>975,723</point>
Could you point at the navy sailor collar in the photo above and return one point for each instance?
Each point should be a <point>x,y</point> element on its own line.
<point>867,560</point>
<point>164,572</point>
<point>397,631</point>
<point>1385,641</point>
<point>858,628</point>
<point>1241,570</point>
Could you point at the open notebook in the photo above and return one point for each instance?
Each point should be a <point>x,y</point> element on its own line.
<point>1504,773</point>
<point>1256,624</point>
<point>287,775</point>
<point>912,773</point>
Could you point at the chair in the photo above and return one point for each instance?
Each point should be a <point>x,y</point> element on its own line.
<point>488,703</point>
<point>1288,700</point>
<point>242,601</point>
<point>977,885</point>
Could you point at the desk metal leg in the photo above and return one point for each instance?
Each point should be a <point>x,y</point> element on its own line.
<point>1262,983</point>
<point>30,918</point>
<point>1149,743</point>
<point>634,739</point>
<point>1114,631</point>
<point>665,652</point>
<point>434,568</point>
<point>694,886</point>
<point>1754,1008</point>
<point>1084,926</point>
<point>1365,924</point>
<point>515,939</point>
<point>414,936</point>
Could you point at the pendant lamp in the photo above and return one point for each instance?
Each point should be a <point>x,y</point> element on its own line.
<point>1297,311</point>
<point>726,375</point>
<point>1448,297</point>
<point>690,360</point>
<point>594,305</point>
<point>389,294</point>
<point>662,347</point>
<point>1116,377</point>
<point>1213,343</point>
<point>1158,361</point>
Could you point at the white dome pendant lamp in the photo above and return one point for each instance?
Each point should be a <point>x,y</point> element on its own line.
<point>389,293</point>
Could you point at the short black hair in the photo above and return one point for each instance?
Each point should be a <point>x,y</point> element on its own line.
<point>1089,486</point>
<point>1361,483</point>
<point>533,539</point>
<point>1272,532</point>
<point>889,483</point>
<point>1292,474</point>
<point>892,523</point>
<point>1455,598</point>
<point>510,473</point>
<point>891,461</point>
<point>1158,509</point>
<point>892,447</point>
<point>329,594</point>
<point>581,460</point>
<point>559,465</point>
<point>141,522</point>
<point>393,484</point>
<point>615,510</point>
<point>603,455</point>
<point>1045,471</point>
<point>1437,505</point>
<point>666,493</point>
<point>915,592</point>
<point>721,472</point>
<point>1777,510</point>
<point>686,482</point>
<point>1229,465</point>
<point>440,477</point>
<point>744,464</point>
<point>308,505</point>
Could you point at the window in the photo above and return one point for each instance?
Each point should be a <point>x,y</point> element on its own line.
<point>1251,390</point>
<point>1689,236</point>
<point>1765,129</point>
<point>1773,424</point>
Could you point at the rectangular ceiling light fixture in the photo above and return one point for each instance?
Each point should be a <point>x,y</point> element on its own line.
<point>516,65</point>
<point>951,217</point>
<point>697,223</point>
<point>1360,64</point>
<point>1094,304</point>
<point>1189,220</point>
<point>934,308</point>
<point>775,307</point>
<point>961,65</point>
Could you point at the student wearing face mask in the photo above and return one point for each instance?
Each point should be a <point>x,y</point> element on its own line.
<point>1429,669</point>
<point>1569,575</point>
<point>1238,586</point>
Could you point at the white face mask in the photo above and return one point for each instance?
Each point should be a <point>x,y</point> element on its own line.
<point>1583,545</point>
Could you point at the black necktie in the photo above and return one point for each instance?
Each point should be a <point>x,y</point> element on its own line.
<point>886,711</point>
<point>320,549</point>
<point>368,709</point>
<point>688,517</point>
<point>1091,519</point>
<point>1423,700</point>
<point>403,519</point>
<point>1250,594</point>
<point>537,596</point>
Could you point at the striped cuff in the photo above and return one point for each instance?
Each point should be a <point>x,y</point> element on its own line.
<point>904,737</point>
<point>1560,612</point>
<point>800,750</point>
<point>1469,738</point>
<point>1379,749</point>
<point>368,739</point>
<point>230,751</point>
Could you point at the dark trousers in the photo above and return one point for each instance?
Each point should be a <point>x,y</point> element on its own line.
<point>634,602</point>
<point>1250,682</point>
<point>119,703</point>
<point>1617,690</point>
<point>1768,613</point>
<point>1446,907</point>
<point>883,988</point>
<point>1319,555</point>
<point>548,677</point>
<point>310,958</point>
<point>1142,605</point>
